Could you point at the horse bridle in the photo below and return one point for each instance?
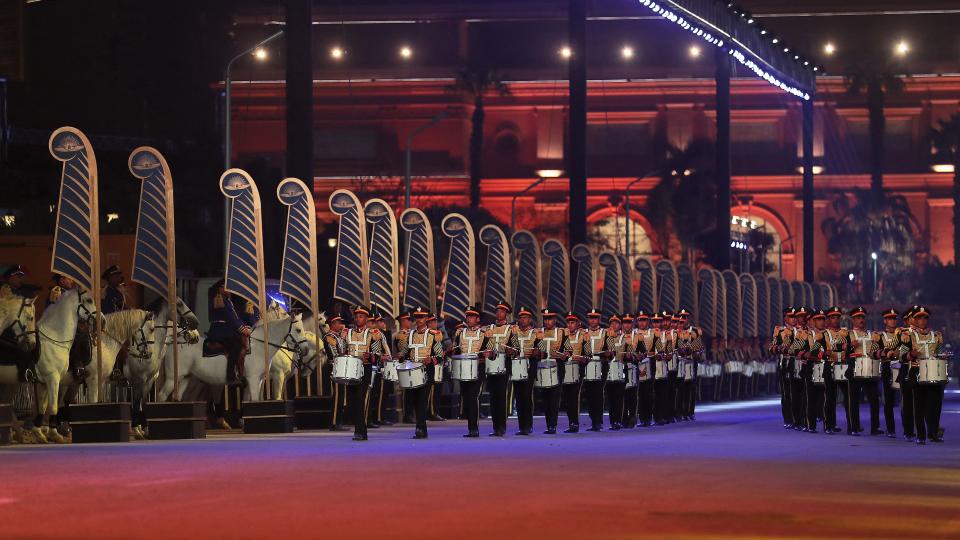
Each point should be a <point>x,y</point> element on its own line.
<point>297,343</point>
<point>141,342</point>
<point>20,330</point>
<point>83,313</point>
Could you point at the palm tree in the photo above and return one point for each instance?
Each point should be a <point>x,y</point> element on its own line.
<point>679,207</point>
<point>946,142</point>
<point>877,78</point>
<point>475,84</point>
<point>866,222</point>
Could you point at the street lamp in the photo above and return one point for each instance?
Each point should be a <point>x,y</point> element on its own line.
<point>873,256</point>
<point>513,202</point>
<point>261,54</point>
<point>626,209</point>
<point>416,131</point>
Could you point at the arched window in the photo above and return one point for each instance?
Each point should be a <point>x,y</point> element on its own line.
<point>755,242</point>
<point>608,230</point>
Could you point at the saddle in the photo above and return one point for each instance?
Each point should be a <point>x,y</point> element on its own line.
<point>213,348</point>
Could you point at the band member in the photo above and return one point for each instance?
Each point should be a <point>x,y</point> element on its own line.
<point>365,343</point>
<point>523,341</point>
<point>498,337</point>
<point>630,399</point>
<point>690,341</point>
<point>815,365</point>
<point>907,412</point>
<point>782,339</point>
<point>375,399</point>
<point>798,389</point>
<point>422,346</point>
<point>597,343</point>
<point>113,299</point>
<point>836,344</point>
<point>335,346</point>
<point>921,345</point>
<point>888,351</point>
<point>405,321</point>
<point>663,387</point>
<point>645,348</point>
<point>433,323</point>
<point>616,345</point>
<point>470,340</point>
<point>552,344</point>
<point>863,343</point>
<point>378,416</point>
<point>571,376</point>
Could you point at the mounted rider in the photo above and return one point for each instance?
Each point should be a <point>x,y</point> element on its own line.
<point>230,328</point>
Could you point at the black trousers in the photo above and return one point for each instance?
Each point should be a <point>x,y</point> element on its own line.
<point>814,398</point>
<point>358,396</point>
<point>631,402</point>
<point>338,415</point>
<point>907,401</point>
<point>376,400</point>
<point>783,380</point>
<point>421,401</point>
<point>673,398</point>
<point>798,400</point>
<point>829,398</point>
<point>645,402</point>
<point>889,397</point>
<point>470,397</point>
<point>662,394</point>
<point>927,406</point>
<point>688,398</point>
<point>615,392</point>
<point>523,394</point>
<point>859,387</point>
<point>551,404</point>
<point>571,396</point>
<point>435,391</point>
<point>409,406</point>
<point>497,388</point>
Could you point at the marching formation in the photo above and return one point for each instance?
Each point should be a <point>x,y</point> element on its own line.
<point>821,361</point>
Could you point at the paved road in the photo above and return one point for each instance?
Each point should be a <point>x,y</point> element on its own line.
<point>732,473</point>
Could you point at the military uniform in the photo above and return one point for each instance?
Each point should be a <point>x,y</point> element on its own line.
<point>499,336</point>
<point>367,344</point>
<point>630,393</point>
<point>814,359</point>
<point>646,346</point>
<point>571,372</point>
<point>436,385</point>
<point>523,341</point>
<point>113,299</point>
<point>423,346</point>
<point>863,343</point>
<point>552,344</point>
<point>690,342</point>
<point>663,385</point>
<point>782,339</point>
<point>597,346</point>
<point>228,329</point>
<point>917,345</point>
<point>618,346</point>
<point>470,340</point>
<point>335,346</point>
<point>888,351</point>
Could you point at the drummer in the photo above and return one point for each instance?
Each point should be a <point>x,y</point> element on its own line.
<point>469,340</point>
<point>366,343</point>
<point>405,322</point>
<point>575,354</point>
<point>433,323</point>
<point>597,347</point>
<point>835,343</point>
<point>499,335</point>
<point>814,357</point>
<point>663,411</point>
<point>386,387</point>
<point>524,343</point>
<point>630,358</point>
<point>888,350</point>
<point>692,338</point>
<point>335,346</point>
<point>796,350</point>
<point>552,342</point>
<point>375,322</point>
<point>645,347</point>
<point>907,410</point>
<point>863,341</point>
<point>423,347</point>
<point>921,344</point>
<point>617,345</point>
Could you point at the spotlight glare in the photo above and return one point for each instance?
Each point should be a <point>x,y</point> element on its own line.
<point>829,49</point>
<point>406,52</point>
<point>337,53</point>
<point>902,48</point>
<point>694,51</point>
<point>565,52</point>
<point>260,53</point>
<point>626,52</point>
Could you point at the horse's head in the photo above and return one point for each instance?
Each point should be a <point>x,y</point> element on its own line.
<point>295,338</point>
<point>25,325</point>
<point>186,318</point>
<point>144,337</point>
<point>322,322</point>
<point>87,308</point>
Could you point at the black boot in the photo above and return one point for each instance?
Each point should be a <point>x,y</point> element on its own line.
<point>574,428</point>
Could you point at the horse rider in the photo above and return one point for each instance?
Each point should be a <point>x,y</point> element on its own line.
<point>113,298</point>
<point>13,280</point>
<point>228,330</point>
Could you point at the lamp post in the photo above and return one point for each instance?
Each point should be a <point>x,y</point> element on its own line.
<point>873,255</point>
<point>780,253</point>
<point>513,202</point>
<point>419,129</point>
<point>256,49</point>
<point>626,209</point>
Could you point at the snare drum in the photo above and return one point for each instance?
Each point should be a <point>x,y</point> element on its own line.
<point>496,365</point>
<point>662,369</point>
<point>615,372</point>
<point>347,370</point>
<point>390,371</point>
<point>672,363</point>
<point>644,370</point>
<point>932,371</point>
<point>571,372</point>
<point>548,376</point>
<point>519,369</point>
<point>632,375</point>
<point>839,371</point>
<point>863,368</point>
<point>816,373</point>
<point>594,369</point>
<point>412,375</point>
<point>464,367</point>
<point>688,369</point>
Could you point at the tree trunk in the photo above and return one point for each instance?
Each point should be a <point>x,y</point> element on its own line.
<point>875,104</point>
<point>476,151</point>
<point>956,207</point>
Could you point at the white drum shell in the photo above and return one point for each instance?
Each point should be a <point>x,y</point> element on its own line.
<point>644,370</point>
<point>347,370</point>
<point>464,367</point>
<point>839,372</point>
<point>615,372</point>
<point>894,375</point>
<point>932,371</point>
<point>412,375</point>
<point>519,369</point>
<point>863,368</point>
<point>594,371</point>
<point>390,371</point>
<point>571,372</point>
<point>548,374</point>
<point>816,373</point>
<point>496,365</point>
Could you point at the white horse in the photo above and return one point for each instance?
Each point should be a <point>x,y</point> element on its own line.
<point>18,314</point>
<point>281,366</point>
<point>284,331</point>
<point>56,331</point>
<point>141,372</point>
